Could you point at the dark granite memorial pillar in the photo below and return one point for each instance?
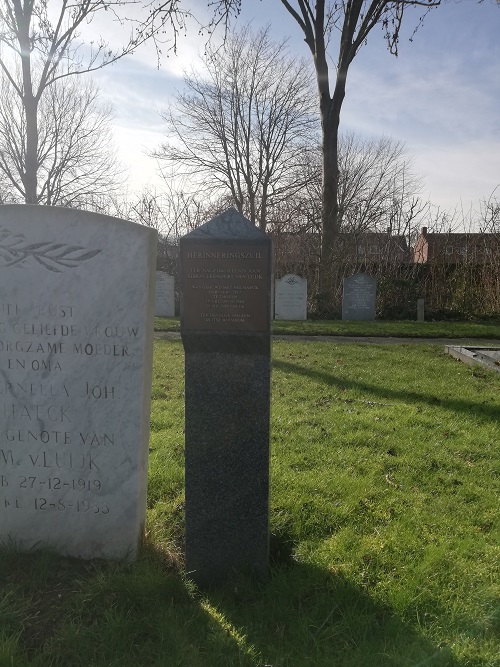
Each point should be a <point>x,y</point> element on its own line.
<point>225,327</point>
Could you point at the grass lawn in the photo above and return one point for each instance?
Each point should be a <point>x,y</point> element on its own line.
<point>385,480</point>
<point>406,329</point>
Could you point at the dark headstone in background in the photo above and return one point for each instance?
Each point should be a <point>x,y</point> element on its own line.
<point>420,310</point>
<point>358,298</point>
<point>225,325</point>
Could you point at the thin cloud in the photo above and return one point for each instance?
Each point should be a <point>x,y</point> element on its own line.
<point>440,97</point>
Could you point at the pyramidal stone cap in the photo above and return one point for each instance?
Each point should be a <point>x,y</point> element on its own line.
<point>230,224</point>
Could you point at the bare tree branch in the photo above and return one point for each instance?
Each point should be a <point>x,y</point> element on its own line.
<point>75,160</point>
<point>244,128</point>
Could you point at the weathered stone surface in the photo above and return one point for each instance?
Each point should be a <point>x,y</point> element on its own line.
<point>290,298</point>
<point>165,295</point>
<point>420,310</point>
<point>488,357</point>
<point>358,299</point>
<point>76,310</point>
<point>225,327</point>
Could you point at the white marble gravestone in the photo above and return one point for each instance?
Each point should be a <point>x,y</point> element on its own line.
<point>358,297</point>
<point>290,298</point>
<point>165,303</point>
<point>76,322</point>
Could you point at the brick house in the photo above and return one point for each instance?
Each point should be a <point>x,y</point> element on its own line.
<point>363,248</point>
<point>454,248</point>
<point>373,248</point>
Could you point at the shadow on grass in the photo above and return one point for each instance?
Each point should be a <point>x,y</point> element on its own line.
<point>481,410</point>
<point>69,612</point>
<point>309,616</point>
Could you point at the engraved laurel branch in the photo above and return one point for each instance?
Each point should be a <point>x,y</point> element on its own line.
<point>53,256</point>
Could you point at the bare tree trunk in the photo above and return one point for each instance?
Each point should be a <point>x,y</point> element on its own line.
<point>330,216</point>
<point>31,162</point>
<point>354,20</point>
<point>330,223</point>
<point>30,107</point>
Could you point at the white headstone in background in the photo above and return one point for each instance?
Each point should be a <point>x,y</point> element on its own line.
<point>358,298</point>
<point>290,298</point>
<point>76,323</point>
<point>165,299</point>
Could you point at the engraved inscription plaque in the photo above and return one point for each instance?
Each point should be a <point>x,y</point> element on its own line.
<point>225,286</point>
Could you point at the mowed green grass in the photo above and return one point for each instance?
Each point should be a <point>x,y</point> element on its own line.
<point>387,328</point>
<point>385,538</point>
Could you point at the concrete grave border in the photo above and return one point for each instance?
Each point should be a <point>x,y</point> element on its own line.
<point>476,356</point>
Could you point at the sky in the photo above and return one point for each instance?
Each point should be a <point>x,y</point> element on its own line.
<point>440,97</point>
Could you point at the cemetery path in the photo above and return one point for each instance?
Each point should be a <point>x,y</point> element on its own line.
<point>374,340</point>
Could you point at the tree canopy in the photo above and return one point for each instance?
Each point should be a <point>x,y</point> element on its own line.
<point>243,126</point>
<point>41,43</point>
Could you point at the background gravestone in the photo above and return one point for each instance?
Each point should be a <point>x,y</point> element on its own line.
<point>165,298</point>
<point>290,298</point>
<point>225,328</point>
<point>420,310</point>
<point>358,298</point>
<point>76,315</point>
